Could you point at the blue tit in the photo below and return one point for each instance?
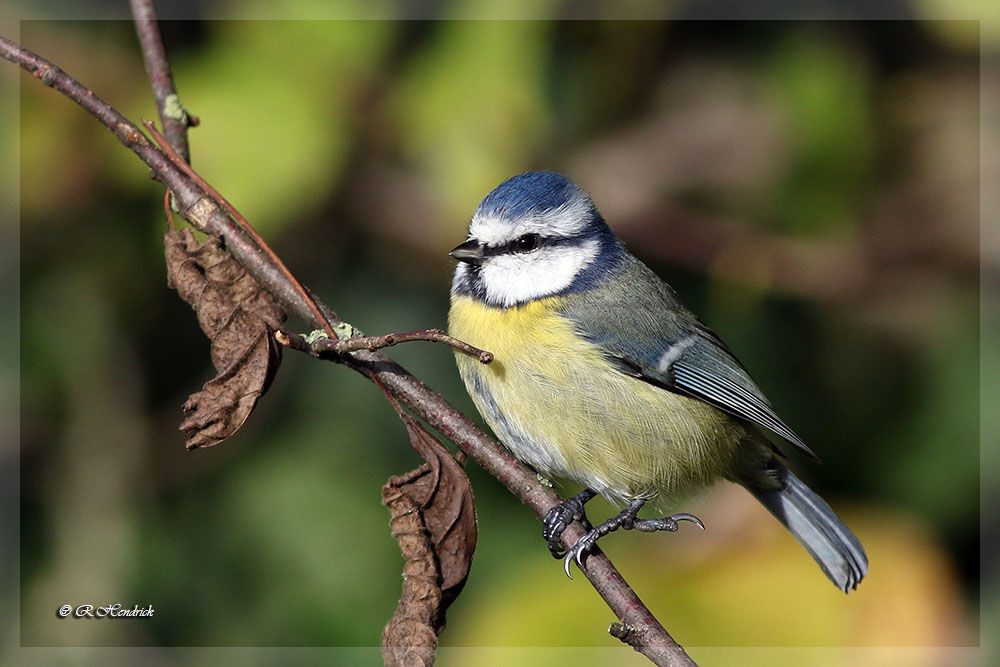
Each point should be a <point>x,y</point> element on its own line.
<point>602,376</point>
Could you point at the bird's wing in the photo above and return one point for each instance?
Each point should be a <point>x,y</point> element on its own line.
<point>700,365</point>
<point>658,340</point>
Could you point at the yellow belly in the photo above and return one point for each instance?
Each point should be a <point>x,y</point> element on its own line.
<point>561,406</point>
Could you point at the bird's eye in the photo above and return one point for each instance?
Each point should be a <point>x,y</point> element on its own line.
<point>527,242</point>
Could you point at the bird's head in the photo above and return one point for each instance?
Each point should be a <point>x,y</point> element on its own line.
<point>537,234</point>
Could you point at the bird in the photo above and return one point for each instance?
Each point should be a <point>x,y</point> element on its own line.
<point>601,376</point>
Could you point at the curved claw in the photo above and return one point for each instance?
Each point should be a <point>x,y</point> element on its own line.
<point>684,516</point>
<point>572,554</point>
<point>578,551</point>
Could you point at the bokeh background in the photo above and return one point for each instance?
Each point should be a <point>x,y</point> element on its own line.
<point>811,188</point>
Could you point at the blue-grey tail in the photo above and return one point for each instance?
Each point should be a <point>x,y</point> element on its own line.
<point>817,528</point>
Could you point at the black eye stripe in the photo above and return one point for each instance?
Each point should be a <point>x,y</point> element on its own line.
<point>515,246</point>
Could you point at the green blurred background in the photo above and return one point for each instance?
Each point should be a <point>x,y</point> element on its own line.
<point>812,189</point>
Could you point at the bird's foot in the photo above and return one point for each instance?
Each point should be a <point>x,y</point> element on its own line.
<point>668,523</point>
<point>626,520</point>
<point>562,515</point>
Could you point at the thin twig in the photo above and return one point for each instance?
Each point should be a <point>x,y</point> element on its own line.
<point>173,116</point>
<point>655,642</point>
<point>179,162</point>
<point>338,346</point>
<point>167,211</point>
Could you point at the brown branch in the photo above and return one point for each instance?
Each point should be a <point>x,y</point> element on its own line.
<point>341,346</point>
<point>647,635</point>
<point>173,116</point>
<point>244,224</point>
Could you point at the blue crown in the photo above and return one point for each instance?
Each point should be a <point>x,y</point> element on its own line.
<point>530,193</point>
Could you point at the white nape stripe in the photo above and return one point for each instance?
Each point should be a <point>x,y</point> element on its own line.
<point>514,278</point>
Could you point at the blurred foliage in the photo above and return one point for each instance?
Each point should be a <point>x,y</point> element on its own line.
<point>811,189</point>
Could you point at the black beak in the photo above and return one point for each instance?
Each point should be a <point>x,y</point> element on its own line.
<point>471,252</point>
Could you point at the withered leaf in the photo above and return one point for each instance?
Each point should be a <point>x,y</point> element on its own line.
<point>239,317</point>
<point>434,521</point>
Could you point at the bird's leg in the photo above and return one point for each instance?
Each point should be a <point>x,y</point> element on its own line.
<point>626,519</point>
<point>562,515</point>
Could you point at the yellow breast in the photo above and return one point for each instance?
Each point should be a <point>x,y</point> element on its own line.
<point>559,404</point>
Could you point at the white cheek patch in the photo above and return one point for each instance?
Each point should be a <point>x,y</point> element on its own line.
<point>515,278</point>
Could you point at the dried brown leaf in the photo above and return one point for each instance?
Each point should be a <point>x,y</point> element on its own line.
<point>448,508</point>
<point>433,519</point>
<point>238,316</point>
